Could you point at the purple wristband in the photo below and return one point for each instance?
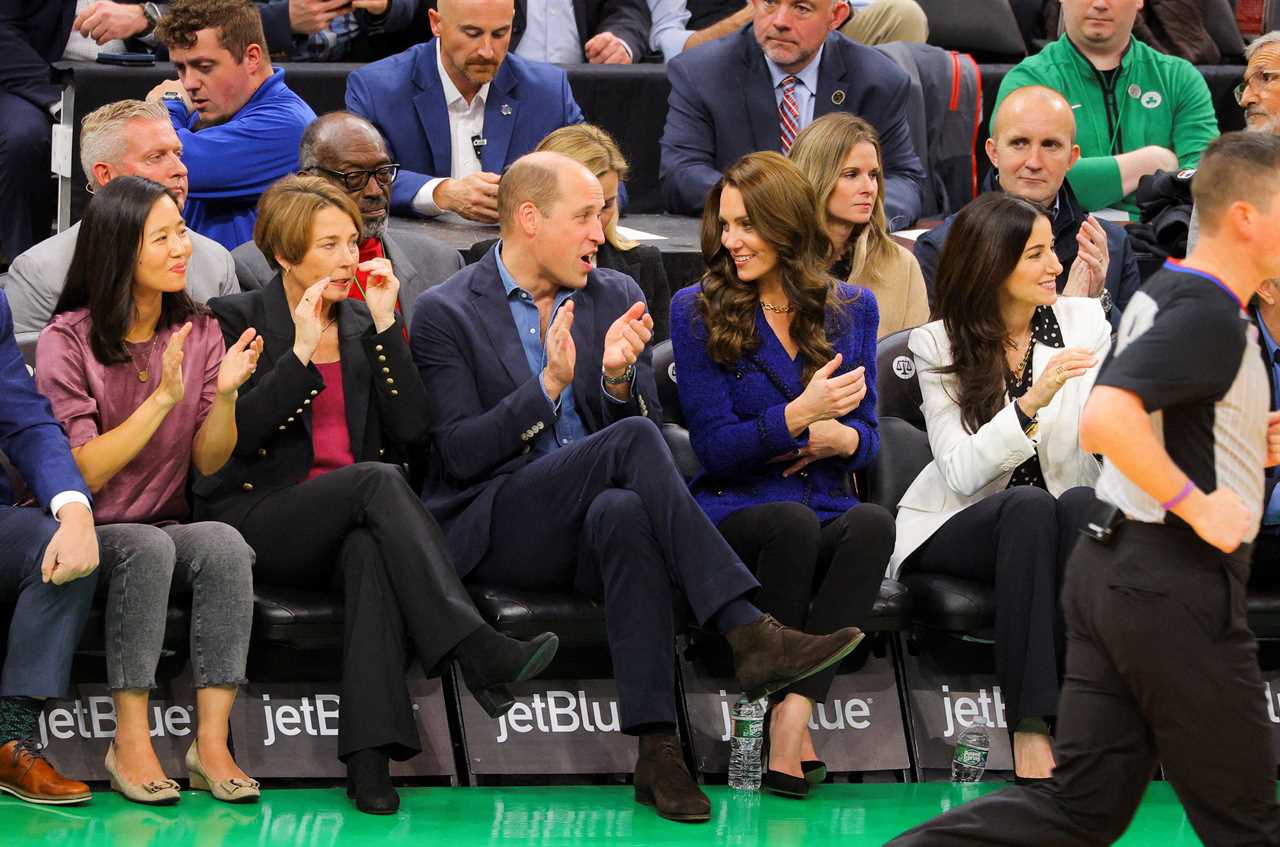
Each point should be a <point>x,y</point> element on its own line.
<point>1179,497</point>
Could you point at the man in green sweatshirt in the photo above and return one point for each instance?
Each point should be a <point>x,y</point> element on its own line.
<point>1137,111</point>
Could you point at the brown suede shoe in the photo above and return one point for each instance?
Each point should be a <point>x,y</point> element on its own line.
<point>663,781</point>
<point>769,656</point>
<point>27,775</point>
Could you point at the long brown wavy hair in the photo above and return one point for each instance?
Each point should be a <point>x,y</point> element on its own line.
<point>820,151</point>
<point>982,250</point>
<point>781,205</point>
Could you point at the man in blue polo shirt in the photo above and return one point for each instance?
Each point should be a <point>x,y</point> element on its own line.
<point>238,122</point>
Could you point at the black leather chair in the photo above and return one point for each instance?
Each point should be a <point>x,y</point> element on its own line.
<point>892,610</point>
<point>949,604</point>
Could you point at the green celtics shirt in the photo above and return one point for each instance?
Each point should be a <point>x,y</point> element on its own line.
<point>1151,99</point>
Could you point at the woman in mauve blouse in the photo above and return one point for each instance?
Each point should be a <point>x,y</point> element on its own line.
<point>139,378</point>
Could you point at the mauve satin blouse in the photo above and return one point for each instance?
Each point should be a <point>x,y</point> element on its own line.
<point>90,398</point>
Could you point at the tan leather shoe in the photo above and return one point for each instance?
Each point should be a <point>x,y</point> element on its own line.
<point>234,790</point>
<point>27,775</point>
<point>768,656</point>
<point>160,792</point>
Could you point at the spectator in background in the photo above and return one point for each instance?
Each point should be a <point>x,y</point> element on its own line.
<point>1031,148</point>
<point>33,33</point>
<point>457,110</point>
<point>680,25</point>
<point>777,365</point>
<point>126,138</point>
<point>238,122</point>
<point>568,32</point>
<point>596,149</point>
<point>138,377</point>
<point>840,155</point>
<point>1003,376</point>
<point>348,151</point>
<point>1138,111</point>
<point>757,89</point>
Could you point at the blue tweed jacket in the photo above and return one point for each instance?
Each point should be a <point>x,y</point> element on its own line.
<point>736,419</point>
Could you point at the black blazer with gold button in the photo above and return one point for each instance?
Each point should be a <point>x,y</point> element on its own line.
<point>385,403</point>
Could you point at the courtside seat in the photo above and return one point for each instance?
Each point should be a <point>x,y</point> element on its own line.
<point>576,619</point>
<point>297,618</point>
<point>1264,612</point>
<point>892,609</point>
<point>950,604</point>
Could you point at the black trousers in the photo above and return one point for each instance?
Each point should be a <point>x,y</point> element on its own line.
<point>611,517</point>
<point>48,619</point>
<point>363,529</point>
<point>1017,540</point>
<point>814,577</point>
<point>1161,666</point>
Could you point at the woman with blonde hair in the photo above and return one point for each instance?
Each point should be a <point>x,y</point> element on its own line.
<point>776,362</point>
<point>840,154</point>
<point>596,149</point>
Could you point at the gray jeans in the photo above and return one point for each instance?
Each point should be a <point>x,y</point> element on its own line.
<point>138,567</point>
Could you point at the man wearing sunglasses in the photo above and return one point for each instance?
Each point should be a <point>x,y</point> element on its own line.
<point>349,151</point>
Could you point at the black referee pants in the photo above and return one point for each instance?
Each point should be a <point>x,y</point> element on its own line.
<point>1161,667</point>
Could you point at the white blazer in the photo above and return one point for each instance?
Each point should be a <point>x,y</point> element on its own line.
<point>966,466</point>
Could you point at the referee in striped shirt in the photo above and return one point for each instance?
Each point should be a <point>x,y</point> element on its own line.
<point>1161,665</point>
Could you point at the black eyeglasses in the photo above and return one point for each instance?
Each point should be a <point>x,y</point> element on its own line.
<point>356,180</point>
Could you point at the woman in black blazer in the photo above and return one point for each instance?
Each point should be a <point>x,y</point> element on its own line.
<point>596,149</point>
<point>316,484</point>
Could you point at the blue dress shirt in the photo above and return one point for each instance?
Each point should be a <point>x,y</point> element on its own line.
<point>806,86</point>
<point>550,33</point>
<point>568,426</point>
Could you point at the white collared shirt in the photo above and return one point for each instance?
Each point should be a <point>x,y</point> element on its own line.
<point>550,33</point>
<point>466,120</point>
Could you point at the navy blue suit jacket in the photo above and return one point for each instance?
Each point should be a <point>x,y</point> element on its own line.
<point>722,107</point>
<point>484,401</point>
<point>402,96</point>
<point>29,436</point>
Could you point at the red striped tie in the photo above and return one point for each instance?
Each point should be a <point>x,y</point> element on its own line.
<point>788,113</point>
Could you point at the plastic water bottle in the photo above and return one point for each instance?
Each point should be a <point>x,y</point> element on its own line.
<point>745,744</point>
<point>970,758</point>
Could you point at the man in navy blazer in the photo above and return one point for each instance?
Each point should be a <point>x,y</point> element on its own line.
<point>727,100</point>
<point>48,560</point>
<point>548,470</point>
<point>457,110</point>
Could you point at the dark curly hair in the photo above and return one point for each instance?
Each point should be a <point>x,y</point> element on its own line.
<point>983,248</point>
<point>782,207</point>
<point>238,23</point>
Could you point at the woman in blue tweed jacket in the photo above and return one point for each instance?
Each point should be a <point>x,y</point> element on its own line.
<point>775,362</point>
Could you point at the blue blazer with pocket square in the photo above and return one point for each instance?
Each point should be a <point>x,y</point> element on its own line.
<point>403,97</point>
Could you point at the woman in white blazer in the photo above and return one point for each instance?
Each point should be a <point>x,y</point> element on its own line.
<point>1004,376</point>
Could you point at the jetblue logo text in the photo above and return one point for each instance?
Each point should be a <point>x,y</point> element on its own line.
<point>96,718</point>
<point>963,711</point>
<point>559,711</point>
<point>318,718</point>
<point>851,713</point>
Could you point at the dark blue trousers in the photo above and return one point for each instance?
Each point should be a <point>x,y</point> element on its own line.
<point>49,618</point>
<point>611,517</point>
<point>27,193</point>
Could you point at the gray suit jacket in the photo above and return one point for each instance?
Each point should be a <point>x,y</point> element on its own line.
<point>419,260</point>
<point>37,276</point>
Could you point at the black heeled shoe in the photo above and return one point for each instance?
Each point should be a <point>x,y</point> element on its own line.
<point>775,782</point>
<point>369,782</point>
<point>815,771</point>
<point>488,678</point>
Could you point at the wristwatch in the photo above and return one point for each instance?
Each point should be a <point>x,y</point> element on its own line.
<point>624,379</point>
<point>1104,299</point>
<point>151,12</point>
